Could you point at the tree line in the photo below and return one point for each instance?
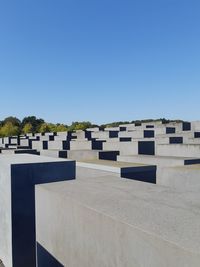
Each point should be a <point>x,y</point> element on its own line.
<point>12,126</point>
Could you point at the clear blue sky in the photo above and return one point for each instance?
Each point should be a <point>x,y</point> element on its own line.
<point>100,60</point>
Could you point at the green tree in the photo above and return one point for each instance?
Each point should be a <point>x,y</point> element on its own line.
<point>45,128</point>
<point>15,121</point>
<point>50,127</point>
<point>80,125</point>
<point>36,123</point>
<point>28,128</point>
<point>60,128</point>
<point>8,129</point>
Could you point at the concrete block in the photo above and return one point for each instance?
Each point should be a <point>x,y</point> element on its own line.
<point>47,138</point>
<point>100,135</point>
<point>59,145</point>
<point>24,142</point>
<point>80,145</point>
<point>18,176</point>
<point>39,145</point>
<point>63,136</point>
<point>195,125</point>
<point>20,151</point>
<point>125,148</point>
<point>139,172</point>
<point>160,161</point>
<point>185,178</point>
<point>54,153</point>
<point>133,134</point>
<point>92,154</point>
<point>117,222</point>
<point>178,150</point>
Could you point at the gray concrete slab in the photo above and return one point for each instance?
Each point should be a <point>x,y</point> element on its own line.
<point>20,151</point>
<point>185,178</point>
<point>82,155</point>
<point>81,145</point>
<point>39,145</point>
<point>55,153</point>
<point>135,171</point>
<point>178,150</point>
<point>117,222</point>
<point>124,147</point>
<point>59,144</point>
<point>158,160</point>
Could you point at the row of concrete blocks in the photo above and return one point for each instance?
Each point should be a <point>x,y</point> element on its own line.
<point>145,131</point>
<point>70,154</point>
<point>127,148</point>
<point>125,145</point>
<point>104,135</point>
<point>173,177</point>
<point>175,174</point>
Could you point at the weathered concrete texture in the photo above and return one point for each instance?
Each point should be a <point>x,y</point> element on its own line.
<point>80,154</point>
<point>195,125</point>
<point>125,148</point>
<point>135,171</point>
<point>83,154</point>
<point>159,160</point>
<point>83,172</point>
<point>178,150</point>
<point>20,151</point>
<point>109,222</point>
<point>39,145</point>
<point>92,154</point>
<point>55,153</point>
<point>18,175</point>
<point>86,144</point>
<point>59,144</point>
<point>80,145</point>
<point>180,178</point>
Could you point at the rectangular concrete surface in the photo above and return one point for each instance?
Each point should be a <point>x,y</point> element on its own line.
<point>186,178</point>
<point>18,176</point>
<point>20,151</point>
<point>92,154</point>
<point>55,153</point>
<point>135,171</point>
<point>159,160</point>
<point>109,222</point>
<point>178,150</point>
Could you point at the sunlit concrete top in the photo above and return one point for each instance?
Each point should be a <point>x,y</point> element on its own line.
<point>27,158</point>
<point>169,215</point>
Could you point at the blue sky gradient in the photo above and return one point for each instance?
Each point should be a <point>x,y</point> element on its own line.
<point>100,60</point>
